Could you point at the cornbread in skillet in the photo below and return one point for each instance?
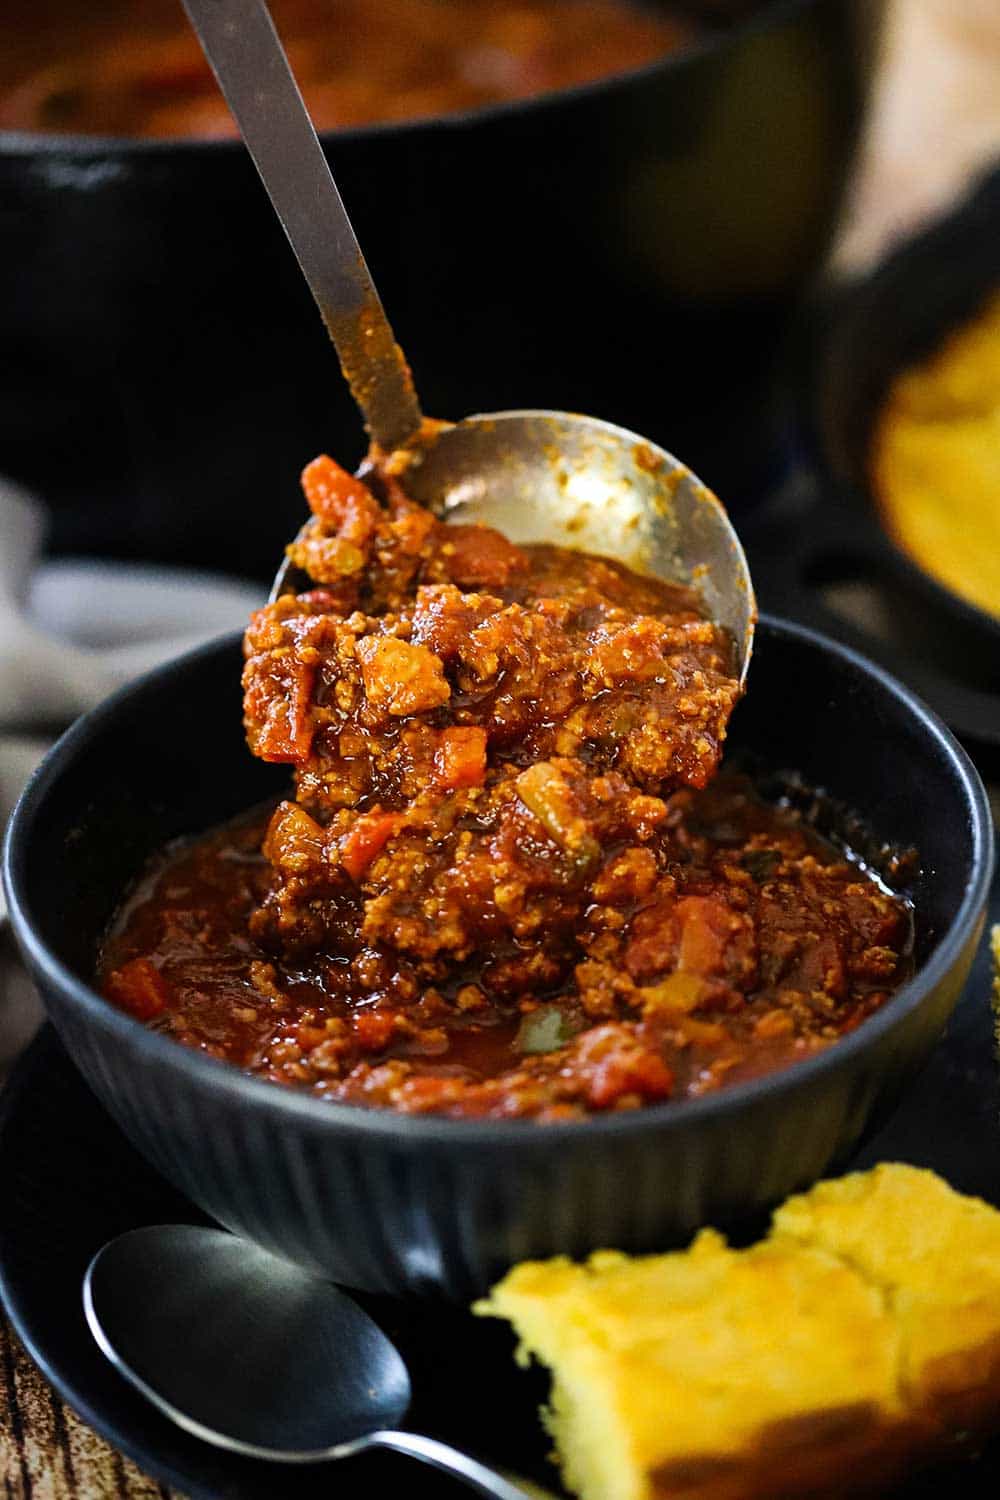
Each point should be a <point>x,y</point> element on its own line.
<point>863,1332</point>
<point>936,460</point>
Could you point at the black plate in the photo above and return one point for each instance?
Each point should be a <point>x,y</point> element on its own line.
<point>71,1181</point>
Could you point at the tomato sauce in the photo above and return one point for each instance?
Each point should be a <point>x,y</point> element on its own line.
<point>137,70</point>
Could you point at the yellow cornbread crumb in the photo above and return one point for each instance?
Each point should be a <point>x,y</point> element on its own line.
<point>936,460</point>
<point>863,1329</point>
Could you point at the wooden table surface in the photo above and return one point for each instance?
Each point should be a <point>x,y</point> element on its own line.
<point>935,122</point>
<point>46,1452</point>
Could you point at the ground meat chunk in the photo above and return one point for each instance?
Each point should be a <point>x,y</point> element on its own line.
<point>400,678</point>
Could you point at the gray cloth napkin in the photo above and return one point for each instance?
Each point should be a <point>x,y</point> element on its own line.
<point>72,631</point>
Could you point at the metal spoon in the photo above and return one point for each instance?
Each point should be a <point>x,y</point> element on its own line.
<point>538,475</point>
<point>251,1353</point>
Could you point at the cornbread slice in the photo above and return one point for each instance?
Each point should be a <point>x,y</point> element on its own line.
<point>862,1332</point>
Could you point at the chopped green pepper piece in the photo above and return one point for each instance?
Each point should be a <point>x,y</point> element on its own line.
<point>544,1030</point>
<point>545,793</point>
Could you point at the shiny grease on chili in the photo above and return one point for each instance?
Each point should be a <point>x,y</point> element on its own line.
<point>509,882</point>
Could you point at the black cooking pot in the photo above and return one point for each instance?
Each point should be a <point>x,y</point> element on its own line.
<point>424,1204</point>
<point>631,248</point>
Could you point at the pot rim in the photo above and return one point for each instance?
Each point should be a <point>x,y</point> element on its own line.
<point>420,1131</point>
<point>771,13</point>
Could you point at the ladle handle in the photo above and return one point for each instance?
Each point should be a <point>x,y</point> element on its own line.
<point>452,1461</point>
<point>240,42</point>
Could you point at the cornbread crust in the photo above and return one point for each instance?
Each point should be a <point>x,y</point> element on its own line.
<point>861,1335</point>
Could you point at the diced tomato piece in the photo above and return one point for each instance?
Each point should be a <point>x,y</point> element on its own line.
<point>652,947</point>
<point>611,1061</point>
<point>340,501</point>
<point>374,1029</point>
<point>704,927</point>
<point>460,757</point>
<point>277,697</point>
<point>139,988</point>
<point>366,839</point>
<point>479,557</point>
<point>629,1072</point>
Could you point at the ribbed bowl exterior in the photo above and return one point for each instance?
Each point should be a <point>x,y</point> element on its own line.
<point>420,1205</point>
<point>391,1215</point>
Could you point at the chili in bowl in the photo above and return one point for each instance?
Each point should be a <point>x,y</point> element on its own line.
<point>588,992</point>
<point>507,880</point>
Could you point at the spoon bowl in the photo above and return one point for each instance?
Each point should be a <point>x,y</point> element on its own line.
<point>236,1343</point>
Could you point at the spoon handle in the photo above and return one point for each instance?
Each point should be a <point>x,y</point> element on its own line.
<point>240,42</point>
<point>451,1460</point>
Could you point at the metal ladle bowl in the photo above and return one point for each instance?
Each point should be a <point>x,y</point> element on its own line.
<point>550,476</point>
<point>535,475</point>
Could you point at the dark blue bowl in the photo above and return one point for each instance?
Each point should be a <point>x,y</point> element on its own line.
<point>430,1205</point>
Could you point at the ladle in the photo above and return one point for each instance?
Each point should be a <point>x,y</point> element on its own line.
<point>536,475</point>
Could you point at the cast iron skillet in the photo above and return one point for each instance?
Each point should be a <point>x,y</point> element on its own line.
<point>631,248</point>
<point>947,649</point>
<point>425,1205</point>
